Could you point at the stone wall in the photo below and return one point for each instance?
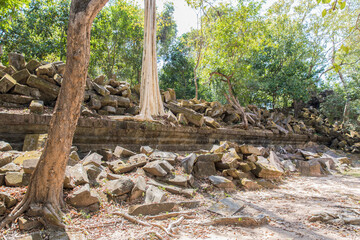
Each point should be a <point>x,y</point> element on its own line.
<point>95,134</point>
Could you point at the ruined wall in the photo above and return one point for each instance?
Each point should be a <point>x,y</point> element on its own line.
<point>95,134</point>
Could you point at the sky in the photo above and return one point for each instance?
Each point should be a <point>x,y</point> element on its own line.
<point>185,17</point>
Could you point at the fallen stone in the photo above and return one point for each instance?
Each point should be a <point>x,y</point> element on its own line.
<point>211,122</point>
<point>34,142</point>
<point>231,158</point>
<point>44,86</point>
<point>138,189</point>
<point>69,182</point>
<point>289,166</point>
<point>93,158</point>
<point>15,179</point>
<point>187,192</point>
<point>17,60</point>
<point>182,119</point>
<point>146,150</point>
<point>154,195</point>
<point>135,161</point>
<point>221,182</point>
<point>83,197</point>
<point>78,173</point>
<point>250,184</point>
<point>158,168</point>
<point>93,172</point>
<point>10,167</point>
<point>6,83</point>
<point>29,165</point>
<point>218,149</point>
<point>275,161</point>
<point>310,168</point>
<point>37,106</point>
<point>21,76</point>
<point>243,221</point>
<point>32,65</point>
<point>2,209</point>
<point>167,156</point>
<point>266,183</point>
<point>22,90</point>
<point>101,90</point>
<point>8,200</point>
<point>309,155</point>
<point>204,169</point>
<point>227,207</point>
<point>192,116</point>
<point>152,208</point>
<point>188,163</point>
<point>121,152</point>
<point>47,69</point>
<point>60,67</point>
<point>237,174</point>
<point>27,155</point>
<point>249,149</point>
<point>107,154</point>
<point>28,224</point>
<point>119,187</point>
<point>4,146</point>
<point>16,99</point>
<point>266,171</point>
<point>178,180</point>
<point>73,159</point>
<point>2,179</point>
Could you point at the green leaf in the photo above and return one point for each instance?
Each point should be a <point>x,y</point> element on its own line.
<point>326,1</point>
<point>342,5</point>
<point>318,1</point>
<point>337,67</point>
<point>324,12</point>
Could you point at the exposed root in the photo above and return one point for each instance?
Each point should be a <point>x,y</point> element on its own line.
<point>16,212</point>
<point>151,234</point>
<point>52,216</point>
<point>174,224</point>
<point>134,220</point>
<point>170,215</point>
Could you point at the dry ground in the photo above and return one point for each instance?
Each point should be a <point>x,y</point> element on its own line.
<point>288,207</point>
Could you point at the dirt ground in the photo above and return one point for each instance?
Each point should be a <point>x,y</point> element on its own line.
<point>288,208</point>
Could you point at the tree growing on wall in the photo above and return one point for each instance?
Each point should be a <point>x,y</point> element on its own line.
<point>150,99</point>
<point>45,191</point>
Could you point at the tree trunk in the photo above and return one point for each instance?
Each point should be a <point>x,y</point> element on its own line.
<point>44,194</point>
<point>150,98</point>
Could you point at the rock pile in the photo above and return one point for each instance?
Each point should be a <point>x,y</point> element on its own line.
<point>34,84</point>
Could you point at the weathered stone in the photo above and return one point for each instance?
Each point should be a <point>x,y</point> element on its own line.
<point>47,69</point>
<point>10,167</point>
<point>83,197</point>
<point>234,173</point>
<point>243,221</point>
<point>189,162</point>
<point>204,169</point>
<point>209,158</point>
<point>69,182</point>
<point>154,195</point>
<point>221,182</point>
<point>182,119</point>
<point>192,116</point>
<point>249,149</point>
<point>2,209</point>
<point>78,173</point>
<point>93,158</point>
<point>158,168</point>
<point>93,172</point>
<point>6,83</point>
<point>101,90</point>
<point>166,156</point>
<point>107,154</point>
<point>32,65</point>
<point>37,106</point>
<point>95,103</point>
<point>8,200</point>
<point>110,110</point>
<point>50,89</point>
<point>310,168</point>
<point>109,100</point>
<point>17,99</point>
<point>266,171</point>
<point>146,150</point>
<point>21,76</point>
<point>34,142</point>
<point>177,180</point>
<point>266,183</point>
<point>227,207</point>
<point>119,187</point>
<point>211,122</point>
<point>231,158</point>
<point>2,179</point>
<point>123,102</point>
<point>187,192</point>
<point>29,165</point>
<point>218,149</point>
<point>60,67</point>
<point>309,155</point>
<point>121,152</point>
<point>138,189</point>
<point>27,155</point>
<point>4,146</point>
<point>17,60</point>
<point>245,167</point>
<point>250,184</point>
<point>58,79</point>
<point>101,80</point>
<point>151,209</point>
<point>289,166</point>
<point>275,161</point>
<point>10,70</point>
<point>14,179</point>
<point>22,90</point>
<point>27,224</point>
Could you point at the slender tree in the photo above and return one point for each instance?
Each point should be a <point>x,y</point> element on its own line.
<point>150,99</point>
<point>44,194</point>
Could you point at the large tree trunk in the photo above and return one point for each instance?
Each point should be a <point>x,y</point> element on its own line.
<point>44,194</point>
<point>150,99</point>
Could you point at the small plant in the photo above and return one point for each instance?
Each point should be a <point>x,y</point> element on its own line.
<point>85,215</point>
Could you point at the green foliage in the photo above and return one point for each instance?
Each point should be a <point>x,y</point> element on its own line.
<point>166,29</point>
<point>8,10</point>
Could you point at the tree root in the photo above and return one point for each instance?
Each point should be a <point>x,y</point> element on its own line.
<point>134,220</point>
<point>174,224</point>
<point>151,234</point>
<point>15,213</point>
<point>170,215</point>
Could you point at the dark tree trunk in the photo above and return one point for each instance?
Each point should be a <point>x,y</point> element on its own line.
<point>44,194</point>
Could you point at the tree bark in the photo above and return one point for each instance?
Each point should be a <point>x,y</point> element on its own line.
<point>44,194</point>
<point>151,103</point>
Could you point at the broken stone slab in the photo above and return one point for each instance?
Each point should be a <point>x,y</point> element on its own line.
<point>84,197</point>
<point>93,158</point>
<point>147,150</point>
<point>209,158</point>
<point>187,192</point>
<point>10,70</point>
<point>27,155</point>
<point>110,101</point>
<point>250,184</point>
<point>310,168</point>
<point>227,207</point>
<point>2,179</point>
<point>73,159</point>
<point>37,106</point>
<point>138,189</point>
<point>309,155</point>
<point>17,60</point>
<point>178,180</point>
<point>2,209</point>
<point>16,179</point>
<point>152,208</point>
<point>29,165</point>
<point>101,80</point>
<point>289,166</point>
<point>121,152</point>
<point>119,187</point>
<point>34,142</point>
<point>16,99</point>
<point>158,168</point>
<point>22,90</point>
<point>8,200</point>
<point>32,65</point>
<point>10,167</point>
<point>44,86</point>
<point>266,183</point>
<point>204,169</point>
<point>78,173</point>
<point>211,122</point>
<point>243,221</point>
<point>28,224</point>
<point>93,172</point>
<point>136,161</point>
<point>167,156</point>
<point>237,174</point>
<point>21,76</point>
<point>154,195</point>
<point>182,119</point>
<point>275,161</point>
<point>188,163</point>
<point>47,69</point>
<point>107,154</point>
<point>69,182</point>
<point>195,118</point>
<point>266,171</point>
<point>221,182</point>
<point>4,146</point>
<point>231,158</point>
<point>101,90</point>
<point>249,149</point>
